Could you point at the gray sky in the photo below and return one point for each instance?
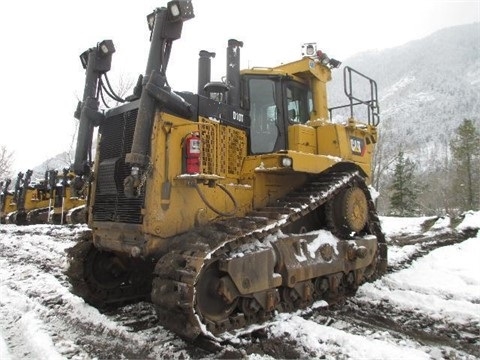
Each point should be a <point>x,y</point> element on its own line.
<point>42,78</point>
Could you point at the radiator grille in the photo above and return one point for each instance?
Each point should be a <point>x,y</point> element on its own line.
<point>116,141</point>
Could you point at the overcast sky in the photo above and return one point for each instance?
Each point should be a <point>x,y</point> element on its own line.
<point>42,78</point>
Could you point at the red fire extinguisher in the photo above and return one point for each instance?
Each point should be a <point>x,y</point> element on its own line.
<point>192,153</point>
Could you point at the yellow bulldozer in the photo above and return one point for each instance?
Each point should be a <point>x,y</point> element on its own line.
<point>49,201</point>
<point>229,205</point>
<point>28,200</point>
<point>6,200</point>
<point>69,204</point>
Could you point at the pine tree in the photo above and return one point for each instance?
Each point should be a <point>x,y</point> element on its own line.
<point>465,148</point>
<point>404,187</point>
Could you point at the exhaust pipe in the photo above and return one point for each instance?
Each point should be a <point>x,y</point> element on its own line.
<point>204,70</point>
<point>233,72</point>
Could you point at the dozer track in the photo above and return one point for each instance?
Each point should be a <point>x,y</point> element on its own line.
<point>193,296</point>
<point>77,215</point>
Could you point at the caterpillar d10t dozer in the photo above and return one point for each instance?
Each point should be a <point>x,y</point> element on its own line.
<point>51,200</point>
<point>28,201</point>
<point>226,206</point>
<point>69,203</point>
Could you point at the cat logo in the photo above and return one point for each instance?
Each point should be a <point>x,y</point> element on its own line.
<point>357,145</point>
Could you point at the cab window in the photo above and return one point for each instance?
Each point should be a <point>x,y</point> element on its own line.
<point>299,103</point>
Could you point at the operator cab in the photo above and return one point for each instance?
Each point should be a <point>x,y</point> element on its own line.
<point>274,103</point>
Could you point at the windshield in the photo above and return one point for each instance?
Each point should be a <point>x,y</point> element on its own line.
<point>274,104</point>
<point>263,115</point>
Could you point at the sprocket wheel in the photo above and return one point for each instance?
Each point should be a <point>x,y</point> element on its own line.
<point>347,213</point>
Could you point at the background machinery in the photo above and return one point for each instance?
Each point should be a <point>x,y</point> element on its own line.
<point>205,203</point>
<point>6,200</point>
<point>69,203</point>
<point>29,199</point>
<point>51,200</point>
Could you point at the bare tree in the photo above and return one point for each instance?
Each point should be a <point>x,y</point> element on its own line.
<point>383,159</point>
<point>6,160</point>
<point>122,87</point>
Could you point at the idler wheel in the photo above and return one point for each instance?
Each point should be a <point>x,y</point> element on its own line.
<point>209,302</point>
<point>105,270</point>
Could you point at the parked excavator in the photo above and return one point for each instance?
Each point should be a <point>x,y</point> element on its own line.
<point>226,206</point>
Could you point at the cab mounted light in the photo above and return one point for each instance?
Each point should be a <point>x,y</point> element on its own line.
<point>309,49</point>
<point>286,161</point>
<point>325,60</point>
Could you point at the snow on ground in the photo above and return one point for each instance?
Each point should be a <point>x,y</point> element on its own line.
<point>395,226</point>
<point>41,319</point>
<point>321,339</point>
<point>444,284</point>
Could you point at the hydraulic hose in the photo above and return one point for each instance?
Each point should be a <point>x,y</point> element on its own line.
<point>210,206</point>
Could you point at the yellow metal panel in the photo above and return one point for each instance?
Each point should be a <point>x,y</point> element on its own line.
<point>302,138</point>
<point>327,140</point>
<point>307,65</point>
<point>182,207</point>
<point>302,162</point>
<point>311,163</point>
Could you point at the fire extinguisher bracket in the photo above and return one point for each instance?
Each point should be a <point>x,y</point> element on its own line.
<point>199,177</point>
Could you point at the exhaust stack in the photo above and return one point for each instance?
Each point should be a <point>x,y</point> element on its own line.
<point>233,72</point>
<point>204,70</point>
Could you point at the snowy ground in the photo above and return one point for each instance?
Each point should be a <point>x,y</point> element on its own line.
<point>426,307</point>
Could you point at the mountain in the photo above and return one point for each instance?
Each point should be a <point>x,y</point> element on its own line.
<point>57,162</point>
<point>426,88</point>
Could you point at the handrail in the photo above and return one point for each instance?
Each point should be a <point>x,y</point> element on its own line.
<point>373,110</point>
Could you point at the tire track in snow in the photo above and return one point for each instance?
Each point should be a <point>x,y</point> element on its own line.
<point>34,293</point>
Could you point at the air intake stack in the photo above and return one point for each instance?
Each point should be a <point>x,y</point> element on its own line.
<point>233,72</point>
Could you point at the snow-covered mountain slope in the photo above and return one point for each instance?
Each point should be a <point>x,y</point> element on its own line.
<point>426,88</point>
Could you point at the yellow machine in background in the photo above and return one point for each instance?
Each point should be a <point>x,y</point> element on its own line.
<point>6,200</point>
<point>69,204</point>
<point>51,200</point>
<point>28,199</point>
<point>202,202</point>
